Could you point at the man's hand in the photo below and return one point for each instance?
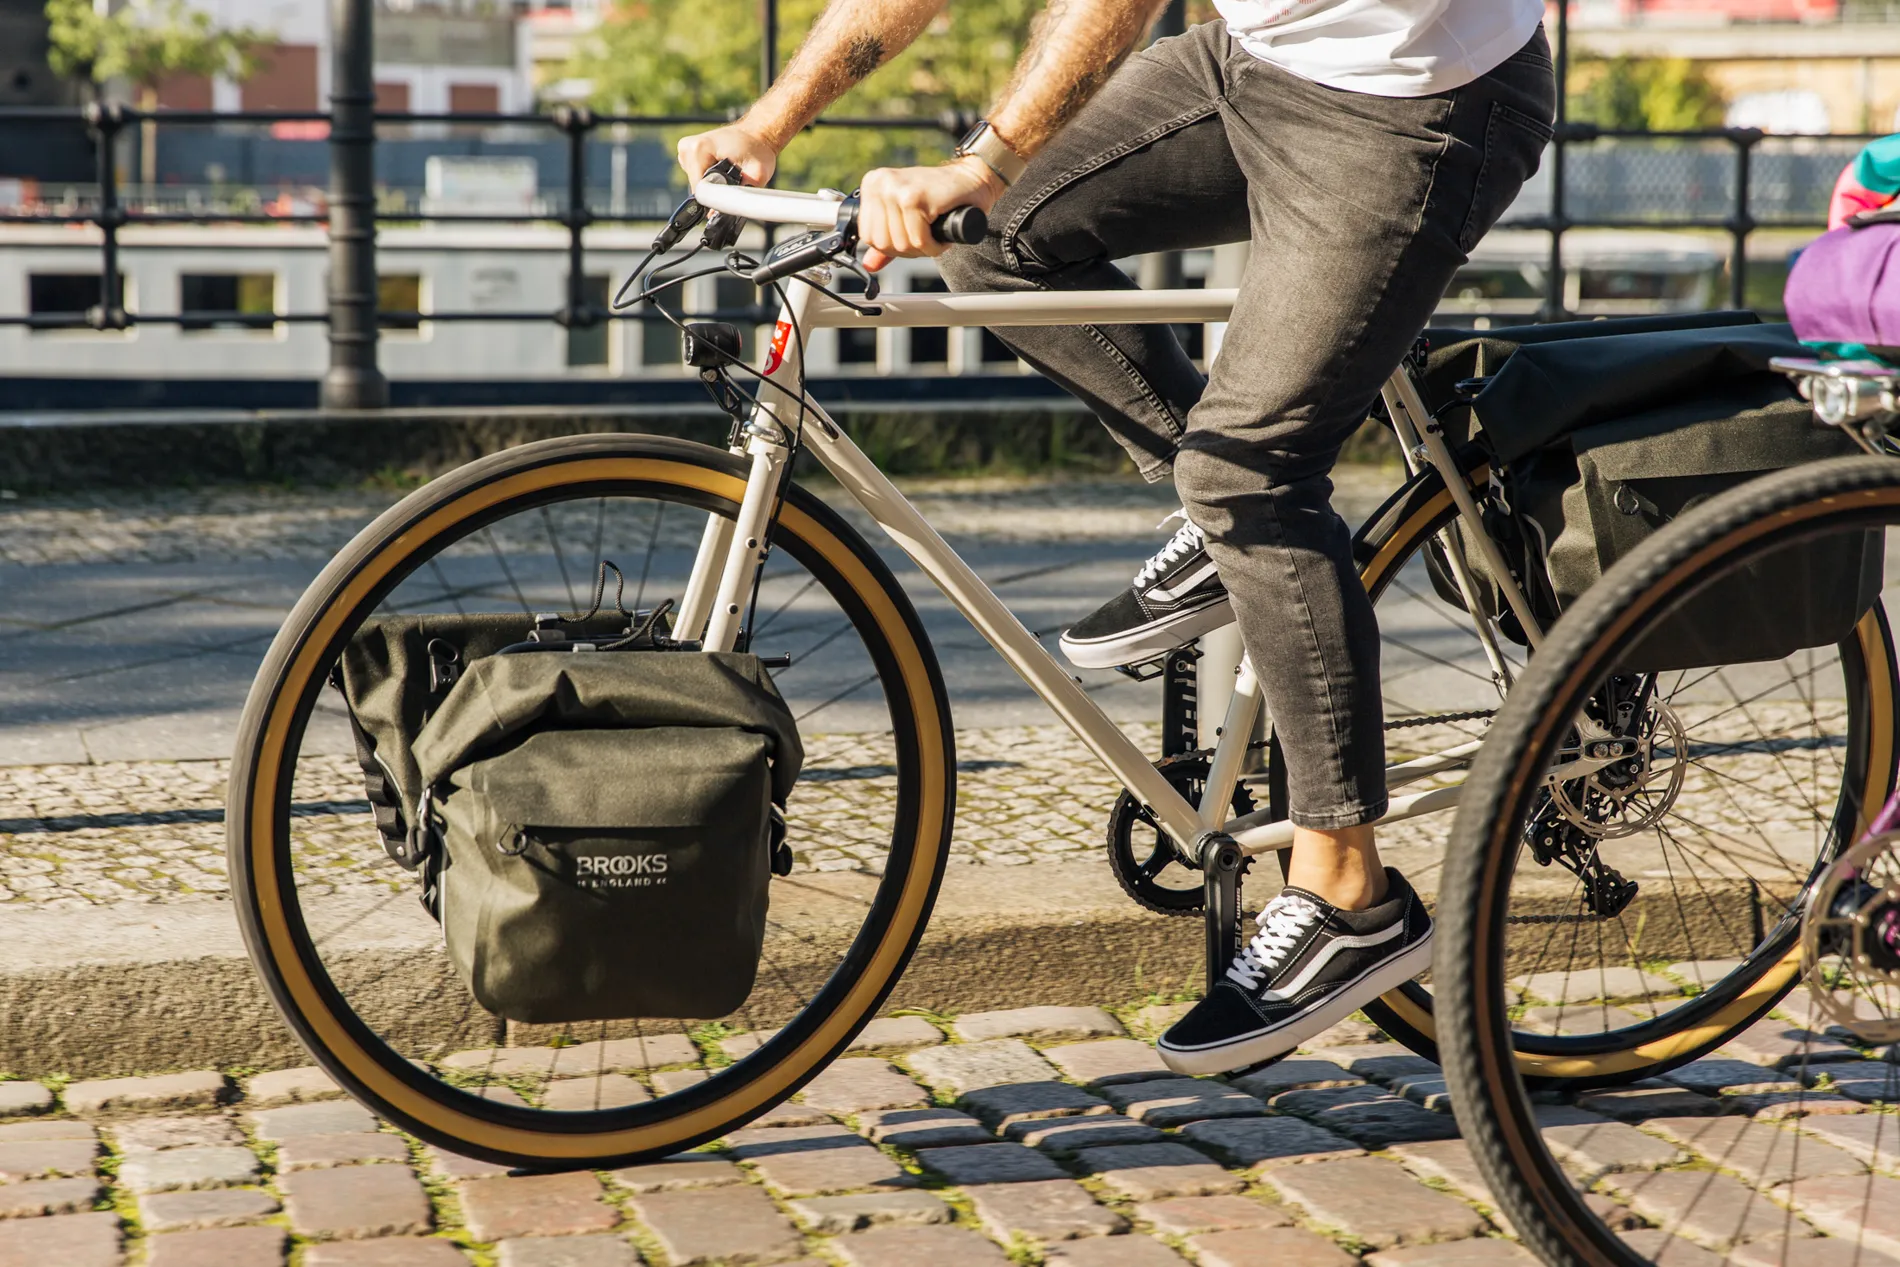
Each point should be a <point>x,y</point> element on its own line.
<point>898,205</point>
<point>757,158</point>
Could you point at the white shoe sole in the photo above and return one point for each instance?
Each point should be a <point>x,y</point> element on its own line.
<point>1266,1044</point>
<point>1148,641</point>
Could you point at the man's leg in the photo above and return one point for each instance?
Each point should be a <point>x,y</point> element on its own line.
<point>1144,167</point>
<point>1363,209</point>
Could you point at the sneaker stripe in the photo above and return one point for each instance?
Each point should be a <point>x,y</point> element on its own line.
<point>1180,589</point>
<point>1317,964</point>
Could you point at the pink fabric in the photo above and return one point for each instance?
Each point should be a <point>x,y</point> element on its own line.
<point>1851,198</point>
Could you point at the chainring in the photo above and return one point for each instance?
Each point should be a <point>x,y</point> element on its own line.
<point>1139,875</point>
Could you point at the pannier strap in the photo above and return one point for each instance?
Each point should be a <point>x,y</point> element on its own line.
<point>385,798</point>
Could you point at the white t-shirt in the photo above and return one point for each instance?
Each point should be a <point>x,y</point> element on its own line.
<point>1389,48</point>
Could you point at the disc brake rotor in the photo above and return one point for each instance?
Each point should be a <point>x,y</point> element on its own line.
<point>1608,786</point>
<point>1850,940</point>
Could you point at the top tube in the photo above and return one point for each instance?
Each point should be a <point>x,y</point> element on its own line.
<point>769,206</point>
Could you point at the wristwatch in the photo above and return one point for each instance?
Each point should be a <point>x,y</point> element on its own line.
<point>983,142</point>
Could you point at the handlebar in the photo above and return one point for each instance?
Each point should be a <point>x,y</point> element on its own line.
<point>829,210</point>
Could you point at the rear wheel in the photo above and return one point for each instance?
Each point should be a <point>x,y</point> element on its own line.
<point>1763,812</point>
<point>356,965</point>
<point>1742,784</point>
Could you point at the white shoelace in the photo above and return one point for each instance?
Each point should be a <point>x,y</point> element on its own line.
<point>1187,539</point>
<point>1282,925</point>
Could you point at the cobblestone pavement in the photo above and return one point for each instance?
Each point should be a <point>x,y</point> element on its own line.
<point>1035,1136</point>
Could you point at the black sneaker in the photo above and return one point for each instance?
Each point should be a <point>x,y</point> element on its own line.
<point>1309,967</point>
<point>1176,597</point>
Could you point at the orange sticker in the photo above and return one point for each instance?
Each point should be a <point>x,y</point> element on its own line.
<point>780,334</point>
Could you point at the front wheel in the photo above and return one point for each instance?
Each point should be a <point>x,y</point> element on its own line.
<point>354,962</point>
<point>1779,773</point>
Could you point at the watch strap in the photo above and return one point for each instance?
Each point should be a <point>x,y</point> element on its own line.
<point>982,142</point>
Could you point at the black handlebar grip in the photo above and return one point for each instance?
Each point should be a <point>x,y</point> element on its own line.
<point>965,225</point>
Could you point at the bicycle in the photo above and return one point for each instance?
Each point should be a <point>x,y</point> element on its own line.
<point>756,560</point>
<point>1836,931</point>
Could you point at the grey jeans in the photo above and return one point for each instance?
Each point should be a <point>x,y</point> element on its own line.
<point>1359,210</point>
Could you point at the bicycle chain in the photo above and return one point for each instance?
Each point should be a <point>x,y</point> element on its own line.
<point>1440,719</point>
<point>1556,919</point>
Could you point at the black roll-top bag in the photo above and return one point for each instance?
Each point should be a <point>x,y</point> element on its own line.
<point>1600,433</point>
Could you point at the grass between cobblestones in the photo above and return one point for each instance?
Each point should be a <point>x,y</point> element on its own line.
<point>1343,1051</point>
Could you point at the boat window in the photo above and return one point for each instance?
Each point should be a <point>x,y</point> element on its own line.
<point>227,301</point>
<point>399,301</point>
<point>65,294</point>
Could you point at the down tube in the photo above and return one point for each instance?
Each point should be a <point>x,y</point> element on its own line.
<point>980,606</point>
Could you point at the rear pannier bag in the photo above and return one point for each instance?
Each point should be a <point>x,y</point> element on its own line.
<point>601,826</point>
<point>1599,439</point>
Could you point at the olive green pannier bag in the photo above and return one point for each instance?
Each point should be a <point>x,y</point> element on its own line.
<point>1599,433</point>
<point>597,829</point>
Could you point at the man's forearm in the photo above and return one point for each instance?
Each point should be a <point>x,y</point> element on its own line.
<point>1074,47</point>
<point>851,39</point>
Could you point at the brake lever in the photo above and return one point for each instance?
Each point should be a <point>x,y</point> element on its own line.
<point>722,230</point>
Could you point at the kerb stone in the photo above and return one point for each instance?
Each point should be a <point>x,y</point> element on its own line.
<point>355,1202</point>
<point>565,1251</point>
<point>869,1209</point>
<point>737,1224</point>
<point>923,1128</point>
<point>806,1161</point>
<point>169,1091</point>
<point>1114,1251</point>
<point>1295,1074</point>
<point>222,1247</point>
<point>1764,1155</point>
<point>1168,1102</point>
<point>291,1086</point>
<point>331,1117</point>
<point>1268,1247</point>
<point>535,1205</point>
<point>18,1098</point>
<point>855,1086</point>
<point>1154,1172</point>
<point>1714,1210</point>
<point>155,1134</point>
<point>1468,1253</point>
<point>1862,1208</point>
<point>1600,1148</point>
<point>1072,1134</point>
<point>909,1246</point>
<point>311,1152</point>
<point>47,1196</point>
<point>1368,1116</point>
<point>70,1240</point>
<point>1374,1201</point>
<point>1047,1024</point>
<point>387,1251</point>
<point>188,1168</point>
<point>1001,1106</point>
<point>1108,1061</point>
<point>1188,1216</point>
<point>682,1170</point>
<point>39,1158</point>
<point>990,1163</point>
<point>1269,1141</point>
<point>972,1066</point>
<point>195,1211</point>
<point>1046,1210</point>
<point>1777,1044</point>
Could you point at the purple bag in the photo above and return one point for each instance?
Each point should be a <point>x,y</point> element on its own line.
<point>1845,286</point>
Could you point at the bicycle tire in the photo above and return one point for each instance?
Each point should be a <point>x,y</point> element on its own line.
<point>280,706</point>
<point>1390,540</point>
<point>1494,1108</point>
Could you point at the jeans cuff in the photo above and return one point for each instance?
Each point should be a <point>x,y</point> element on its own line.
<point>1340,819</point>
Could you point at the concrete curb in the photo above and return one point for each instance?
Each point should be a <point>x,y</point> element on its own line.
<point>148,988</point>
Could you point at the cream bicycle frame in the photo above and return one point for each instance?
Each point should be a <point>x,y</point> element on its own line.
<point>731,550</point>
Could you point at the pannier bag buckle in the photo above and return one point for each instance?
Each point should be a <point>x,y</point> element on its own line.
<point>411,850</point>
<point>781,852</point>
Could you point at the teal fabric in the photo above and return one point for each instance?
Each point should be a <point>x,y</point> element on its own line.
<point>1877,167</point>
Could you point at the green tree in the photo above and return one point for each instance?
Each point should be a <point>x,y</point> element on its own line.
<point>1657,94</point>
<point>144,43</point>
<point>702,56</point>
